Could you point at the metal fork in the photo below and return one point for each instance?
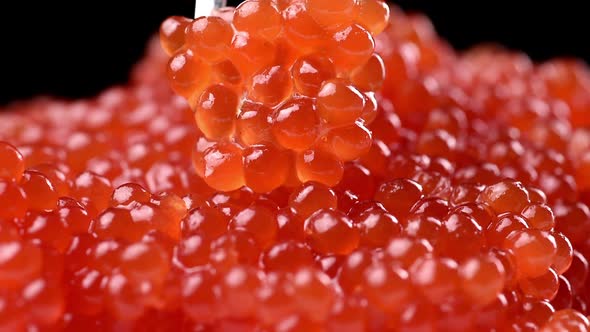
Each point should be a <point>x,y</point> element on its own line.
<point>206,7</point>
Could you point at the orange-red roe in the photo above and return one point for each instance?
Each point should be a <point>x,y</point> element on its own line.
<point>456,201</point>
<point>271,54</point>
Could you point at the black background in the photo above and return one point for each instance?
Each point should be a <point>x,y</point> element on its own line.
<point>75,49</point>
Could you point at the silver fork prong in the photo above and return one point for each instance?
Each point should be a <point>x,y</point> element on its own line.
<point>206,7</point>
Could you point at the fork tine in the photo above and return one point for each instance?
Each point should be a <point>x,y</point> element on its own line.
<point>205,7</point>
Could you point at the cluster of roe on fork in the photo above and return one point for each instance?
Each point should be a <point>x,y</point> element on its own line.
<point>283,91</point>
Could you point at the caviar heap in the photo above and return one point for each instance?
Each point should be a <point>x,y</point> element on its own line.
<point>469,212</point>
<point>283,91</point>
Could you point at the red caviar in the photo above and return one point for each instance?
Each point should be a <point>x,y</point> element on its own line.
<point>268,50</point>
<point>324,187</point>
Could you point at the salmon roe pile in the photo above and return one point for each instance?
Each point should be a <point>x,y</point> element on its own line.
<point>469,211</point>
<point>283,91</point>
